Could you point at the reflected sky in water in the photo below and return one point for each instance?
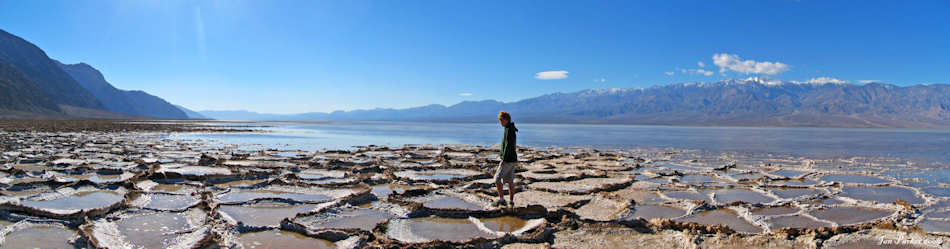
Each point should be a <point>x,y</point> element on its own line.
<point>932,145</point>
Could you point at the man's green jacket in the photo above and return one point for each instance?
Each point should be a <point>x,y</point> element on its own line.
<point>509,144</point>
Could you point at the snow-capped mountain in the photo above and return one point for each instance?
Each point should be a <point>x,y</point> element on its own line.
<point>755,101</point>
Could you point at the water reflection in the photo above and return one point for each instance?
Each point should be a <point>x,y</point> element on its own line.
<point>811,142</point>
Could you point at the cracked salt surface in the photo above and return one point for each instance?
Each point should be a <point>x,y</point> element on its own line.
<point>138,189</point>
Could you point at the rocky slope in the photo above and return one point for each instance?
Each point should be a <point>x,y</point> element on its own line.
<point>121,101</point>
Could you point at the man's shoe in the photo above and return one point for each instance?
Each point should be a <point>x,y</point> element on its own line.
<point>500,202</point>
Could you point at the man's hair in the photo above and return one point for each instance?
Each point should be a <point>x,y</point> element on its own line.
<point>504,115</point>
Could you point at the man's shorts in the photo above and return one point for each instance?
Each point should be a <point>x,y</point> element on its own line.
<point>505,172</point>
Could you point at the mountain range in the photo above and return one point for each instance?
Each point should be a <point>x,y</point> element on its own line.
<point>755,101</point>
<point>33,86</point>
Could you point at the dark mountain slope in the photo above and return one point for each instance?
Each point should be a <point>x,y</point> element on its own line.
<point>17,93</point>
<point>43,72</point>
<point>116,100</point>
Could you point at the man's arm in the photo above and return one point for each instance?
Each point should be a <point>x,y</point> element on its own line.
<point>504,147</point>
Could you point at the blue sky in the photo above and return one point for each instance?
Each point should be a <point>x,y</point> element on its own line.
<point>302,56</point>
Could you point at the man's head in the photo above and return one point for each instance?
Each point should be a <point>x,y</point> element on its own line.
<point>504,118</point>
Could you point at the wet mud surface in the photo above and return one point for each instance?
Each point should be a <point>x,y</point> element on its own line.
<point>79,188</point>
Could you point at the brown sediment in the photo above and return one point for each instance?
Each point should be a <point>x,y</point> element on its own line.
<point>113,189</point>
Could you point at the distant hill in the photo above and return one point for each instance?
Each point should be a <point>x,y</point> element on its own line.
<point>735,102</point>
<point>247,115</point>
<point>121,101</point>
<point>33,86</point>
<point>191,114</point>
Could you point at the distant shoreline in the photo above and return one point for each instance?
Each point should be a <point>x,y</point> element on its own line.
<point>573,123</point>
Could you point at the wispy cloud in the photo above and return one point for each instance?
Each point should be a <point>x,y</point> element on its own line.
<point>669,73</point>
<point>601,80</point>
<point>727,62</point>
<point>200,34</point>
<point>825,80</point>
<point>696,71</point>
<point>700,64</point>
<point>551,75</point>
<point>868,81</point>
<point>465,94</point>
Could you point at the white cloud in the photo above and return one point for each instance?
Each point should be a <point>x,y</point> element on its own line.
<point>868,81</point>
<point>825,80</point>
<point>696,71</point>
<point>669,73</point>
<point>601,80</point>
<point>701,64</point>
<point>465,94</point>
<point>733,62</point>
<point>551,75</point>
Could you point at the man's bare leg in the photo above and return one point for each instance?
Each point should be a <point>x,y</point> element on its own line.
<point>501,194</point>
<point>511,192</point>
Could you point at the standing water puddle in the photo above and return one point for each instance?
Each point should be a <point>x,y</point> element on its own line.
<point>504,224</point>
<point>450,202</point>
<point>853,179</point>
<point>734,195</point>
<point>725,217</point>
<point>688,195</point>
<point>39,236</point>
<point>264,214</point>
<point>152,230</point>
<point>648,212</point>
<point>768,211</point>
<point>697,179</point>
<point>167,202</point>
<point>82,200</point>
<point>282,239</point>
<point>173,188</point>
<point>241,195</point>
<point>795,221</point>
<point>850,215</point>
<point>935,226</point>
<point>449,229</point>
<point>789,173</point>
<point>361,218</point>
<point>790,193</point>
<point>438,174</point>
<point>240,183</point>
<point>384,190</point>
<point>795,183</point>
<point>882,194</point>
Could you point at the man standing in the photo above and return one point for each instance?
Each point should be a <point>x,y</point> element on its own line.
<point>509,160</point>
